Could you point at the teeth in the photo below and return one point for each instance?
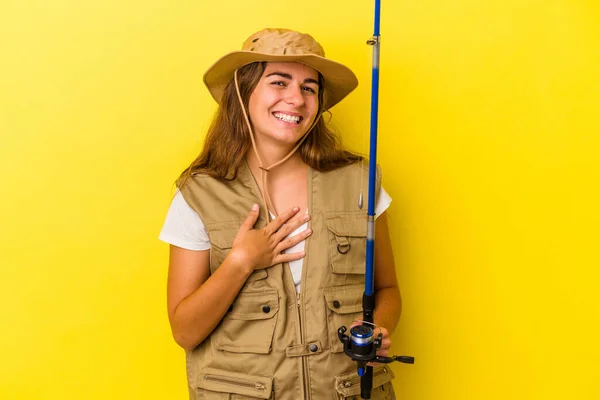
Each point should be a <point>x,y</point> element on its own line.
<point>287,118</point>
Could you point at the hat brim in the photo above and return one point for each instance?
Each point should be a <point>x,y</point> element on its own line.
<point>340,81</point>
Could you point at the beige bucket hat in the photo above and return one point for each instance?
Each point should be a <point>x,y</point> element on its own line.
<point>283,45</point>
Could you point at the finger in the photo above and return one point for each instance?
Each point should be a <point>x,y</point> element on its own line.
<point>290,226</point>
<point>386,343</point>
<point>293,240</point>
<point>358,322</point>
<point>383,352</point>
<point>281,219</point>
<point>355,323</point>
<point>281,258</point>
<point>250,220</point>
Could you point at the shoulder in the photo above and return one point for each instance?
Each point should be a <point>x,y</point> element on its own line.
<point>199,186</point>
<point>183,227</point>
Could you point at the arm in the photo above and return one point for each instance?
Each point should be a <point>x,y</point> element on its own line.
<point>197,300</point>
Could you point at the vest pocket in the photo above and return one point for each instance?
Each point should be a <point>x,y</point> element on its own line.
<point>348,385</point>
<point>216,384</point>
<point>344,305</point>
<point>347,242</point>
<point>249,325</point>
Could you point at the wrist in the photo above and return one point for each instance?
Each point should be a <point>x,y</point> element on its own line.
<point>239,263</point>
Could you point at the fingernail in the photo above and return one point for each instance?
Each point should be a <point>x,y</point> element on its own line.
<point>254,207</point>
<point>296,209</point>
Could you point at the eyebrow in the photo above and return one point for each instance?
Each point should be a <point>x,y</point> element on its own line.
<point>288,76</point>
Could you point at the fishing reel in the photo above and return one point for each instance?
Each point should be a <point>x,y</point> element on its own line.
<point>361,347</point>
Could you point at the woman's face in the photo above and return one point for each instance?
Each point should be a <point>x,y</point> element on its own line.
<point>285,103</point>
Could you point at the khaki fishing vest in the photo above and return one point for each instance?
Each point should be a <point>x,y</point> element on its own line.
<point>274,343</point>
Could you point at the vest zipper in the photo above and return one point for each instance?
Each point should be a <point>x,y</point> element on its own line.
<point>235,382</point>
<point>304,366</point>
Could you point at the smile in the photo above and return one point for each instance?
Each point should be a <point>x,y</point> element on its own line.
<point>288,118</point>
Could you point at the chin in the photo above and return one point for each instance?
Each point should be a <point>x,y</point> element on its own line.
<point>289,136</point>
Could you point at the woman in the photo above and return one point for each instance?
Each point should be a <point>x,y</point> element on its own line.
<point>255,296</point>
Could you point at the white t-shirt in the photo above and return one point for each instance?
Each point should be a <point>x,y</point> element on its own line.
<point>184,228</point>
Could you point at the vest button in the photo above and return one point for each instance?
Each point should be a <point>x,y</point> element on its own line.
<point>266,309</point>
<point>313,347</point>
<point>336,304</point>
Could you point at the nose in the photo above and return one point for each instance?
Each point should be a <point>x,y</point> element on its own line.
<point>294,95</point>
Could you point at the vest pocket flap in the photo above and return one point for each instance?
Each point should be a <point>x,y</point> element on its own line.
<point>354,225</point>
<point>254,305</point>
<point>217,380</point>
<point>349,384</point>
<point>223,238</point>
<point>257,275</point>
<point>344,299</point>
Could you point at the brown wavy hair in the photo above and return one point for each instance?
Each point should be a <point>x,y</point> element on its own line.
<point>228,139</point>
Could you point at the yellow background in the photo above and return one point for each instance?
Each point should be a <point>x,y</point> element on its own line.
<point>489,146</point>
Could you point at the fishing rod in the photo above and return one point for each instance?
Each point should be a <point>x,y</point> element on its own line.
<point>361,346</point>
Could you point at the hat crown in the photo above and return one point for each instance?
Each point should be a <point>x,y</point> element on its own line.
<point>282,45</point>
<point>283,42</point>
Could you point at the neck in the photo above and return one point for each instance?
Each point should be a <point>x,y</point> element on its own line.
<point>271,157</point>
<point>270,152</point>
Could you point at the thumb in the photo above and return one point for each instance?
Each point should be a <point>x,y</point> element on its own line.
<point>354,323</point>
<point>251,218</point>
